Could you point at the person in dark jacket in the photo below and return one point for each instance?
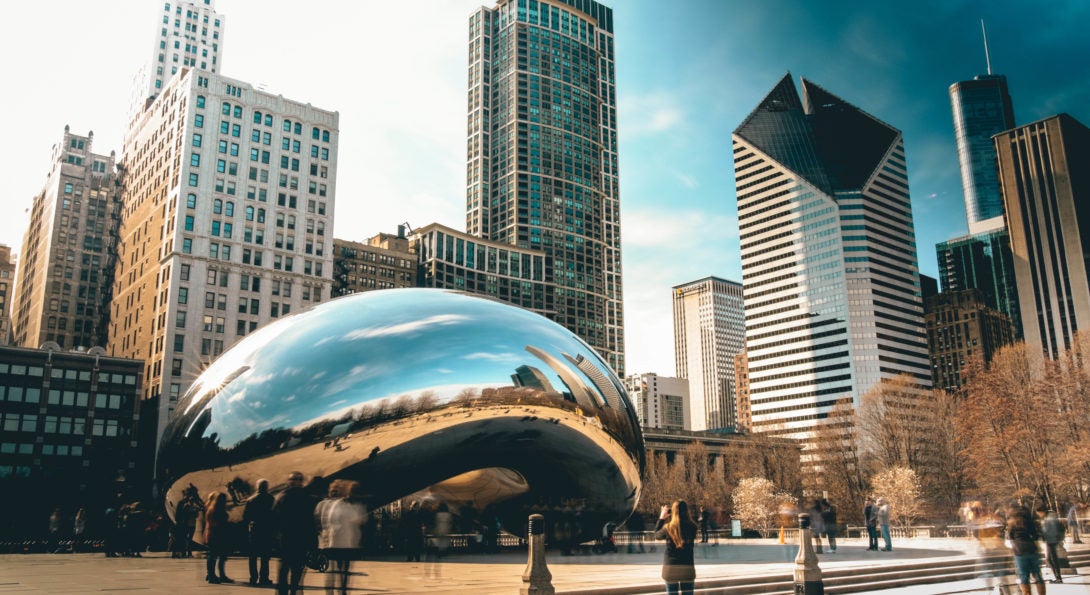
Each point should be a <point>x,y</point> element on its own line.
<point>677,527</point>
<point>1023,533</point>
<point>1053,532</point>
<point>828,519</point>
<point>261,529</point>
<point>870,517</point>
<point>294,514</point>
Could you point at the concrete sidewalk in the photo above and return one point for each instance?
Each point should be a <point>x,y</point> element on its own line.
<point>481,574</point>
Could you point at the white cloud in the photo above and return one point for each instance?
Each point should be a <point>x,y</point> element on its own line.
<point>643,115</point>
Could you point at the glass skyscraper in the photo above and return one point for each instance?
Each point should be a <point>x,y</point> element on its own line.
<point>982,261</point>
<point>831,281</point>
<point>542,153</point>
<point>982,108</point>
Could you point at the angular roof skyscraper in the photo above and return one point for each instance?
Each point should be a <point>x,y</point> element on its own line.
<point>831,281</point>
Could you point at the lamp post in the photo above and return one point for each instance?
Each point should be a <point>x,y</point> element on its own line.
<point>807,573</point>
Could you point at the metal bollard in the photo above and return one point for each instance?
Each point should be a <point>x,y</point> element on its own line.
<point>807,573</point>
<point>536,579</point>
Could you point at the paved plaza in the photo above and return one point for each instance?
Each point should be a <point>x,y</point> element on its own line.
<point>462,574</point>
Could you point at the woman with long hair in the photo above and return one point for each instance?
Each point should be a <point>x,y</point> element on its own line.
<point>216,537</point>
<point>679,530</point>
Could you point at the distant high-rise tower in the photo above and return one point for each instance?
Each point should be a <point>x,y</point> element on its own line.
<point>1046,193</point>
<point>542,153</point>
<point>832,296</point>
<point>960,327</point>
<point>982,261</point>
<point>7,284</point>
<point>228,214</point>
<point>189,35</point>
<point>709,330</point>
<point>66,265</point>
<point>982,108</point>
<point>660,401</point>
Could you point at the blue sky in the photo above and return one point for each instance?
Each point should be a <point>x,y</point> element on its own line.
<point>688,73</point>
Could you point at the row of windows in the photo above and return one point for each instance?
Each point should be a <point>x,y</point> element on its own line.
<point>66,373</point>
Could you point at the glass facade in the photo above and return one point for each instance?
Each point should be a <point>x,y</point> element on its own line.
<point>982,108</point>
<point>982,261</point>
<point>542,153</point>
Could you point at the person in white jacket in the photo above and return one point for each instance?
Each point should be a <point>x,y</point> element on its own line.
<point>340,517</point>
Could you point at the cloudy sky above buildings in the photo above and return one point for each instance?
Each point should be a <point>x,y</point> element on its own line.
<point>688,73</point>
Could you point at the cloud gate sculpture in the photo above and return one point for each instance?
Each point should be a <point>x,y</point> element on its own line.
<point>414,392</point>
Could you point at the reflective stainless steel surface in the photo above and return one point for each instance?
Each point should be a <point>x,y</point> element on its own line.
<point>469,400</point>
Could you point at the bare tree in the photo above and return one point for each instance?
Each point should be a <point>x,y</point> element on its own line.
<point>834,453</point>
<point>1012,424</point>
<point>894,425</point>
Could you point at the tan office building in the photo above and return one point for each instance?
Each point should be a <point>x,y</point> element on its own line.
<point>227,225</point>
<point>1044,172</point>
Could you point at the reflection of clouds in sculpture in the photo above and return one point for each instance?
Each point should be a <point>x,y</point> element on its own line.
<point>410,389</point>
<point>404,328</point>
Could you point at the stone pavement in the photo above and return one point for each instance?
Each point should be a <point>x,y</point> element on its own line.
<point>462,574</point>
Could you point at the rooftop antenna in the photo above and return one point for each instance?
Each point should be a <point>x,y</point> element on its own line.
<point>987,56</point>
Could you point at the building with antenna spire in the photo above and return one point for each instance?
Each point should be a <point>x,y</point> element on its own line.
<point>981,107</point>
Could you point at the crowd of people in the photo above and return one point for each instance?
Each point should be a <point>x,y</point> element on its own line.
<point>325,525</point>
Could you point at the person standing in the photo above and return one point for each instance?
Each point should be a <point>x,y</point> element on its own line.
<point>79,526</point>
<point>870,519</point>
<point>702,518</point>
<point>56,519</point>
<point>828,519</point>
<point>444,524</point>
<point>817,524</point>
<point>883,522</point>
<point>341,517</point>
<point>1023,533</point>
<point>261,530</point>
<point>1073,523</point>
<point>216,538</point>
<point>677,527</point>
<point>412,531</point>
<point>294,514</point>
<point>1053,532</point>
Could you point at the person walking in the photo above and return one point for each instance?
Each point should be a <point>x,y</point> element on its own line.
<point>412,529</point>
<point>1023,534</point>
<point>341,517</point>
<point>817,524</point>
<point>870,519</point>
<point>1053,532</point>
<point>677,527</point>
<point>828,519</point>
<point>261,531</point>
<point>883,522</point>
<point>444,524</point>
<point>79,526</point>
<point>216,538</point>
<point>294,514</point>
<point>56,519</point>
<point>1073,522</point>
